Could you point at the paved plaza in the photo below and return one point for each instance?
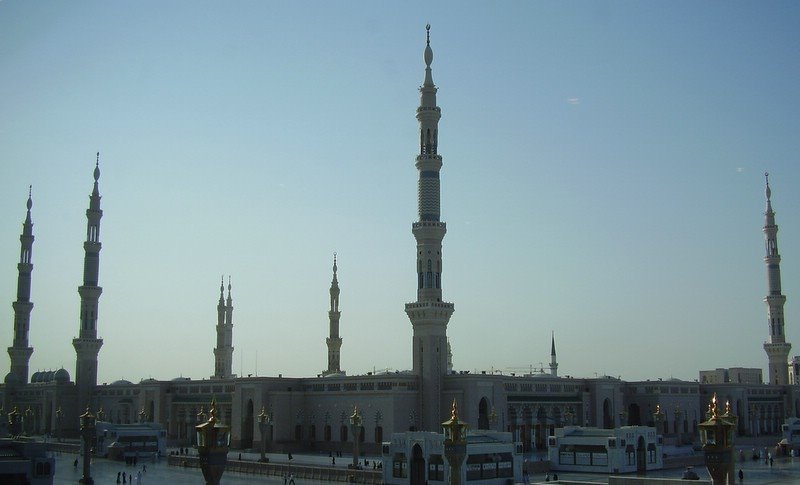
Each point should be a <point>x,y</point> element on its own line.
<point>783,471</point>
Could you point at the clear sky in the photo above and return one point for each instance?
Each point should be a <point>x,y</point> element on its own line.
<point>603,179</point>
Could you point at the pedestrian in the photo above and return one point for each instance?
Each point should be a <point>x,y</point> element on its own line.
<point>138,476</point>
<point>555,477</point>
<point>770,461</point>
<point>333,461</point>
<point>240,457</point>
<point>144,468</point>
<point>547,477</point>
<point>75,463</point>
<point>124,477</point>
<point>291,479</point>
<point>118,476</point>
<point>741,476</point>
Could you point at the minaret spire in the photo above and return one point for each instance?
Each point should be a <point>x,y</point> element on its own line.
<point>776,347</point>
<point>553,361</point>
<point>429,315</point>
<point>87,345</point>
<point>334,341</point>
<point>20,352</point>
<point>223,353</point>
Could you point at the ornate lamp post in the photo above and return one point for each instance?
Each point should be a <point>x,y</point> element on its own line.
<point>678,426</point>
<point>101,415</point>
<point>142,415</point>
<point>13,422</point>
<point>213,442</point>
<point>355,424</point>
<point>455,444</point>
<point>28,421</point>
<point>658,418</point>
<point>569,415</point>
<point>87,432</point>
<point>201,418</point>
<point>59,420</point>
<point>264,422</point>
<point>716,434</point>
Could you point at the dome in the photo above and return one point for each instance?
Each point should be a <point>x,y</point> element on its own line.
<point>122,382</point>
<point>61,376</point>
<point>12,379</point>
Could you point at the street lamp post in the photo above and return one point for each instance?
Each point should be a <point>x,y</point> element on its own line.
<point>28,421</point>
<point>570,416</point>
<point>199,419</point>
<point>13,422</point>
<point>264,422</point>
<point>355,424</point>
<point>455,444</point>
<point>142,416</point>
<point>59,419</point>
<point>101,415</point>
<point>716,434</point>
<point>213,442</point>
<point>87,432</point>
<point>658,418</point>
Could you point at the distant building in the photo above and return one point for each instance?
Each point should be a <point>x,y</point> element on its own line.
<point>621,450</point>
<point>418,457</point>
<point>735,375</point>
<point>25,462</point>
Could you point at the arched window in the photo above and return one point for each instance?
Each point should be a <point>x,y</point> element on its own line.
<point>343,433</point>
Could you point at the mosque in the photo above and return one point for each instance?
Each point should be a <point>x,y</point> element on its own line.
<point>313,413</point>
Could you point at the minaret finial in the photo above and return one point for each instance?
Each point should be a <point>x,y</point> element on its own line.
<point>428,55</point>
<point>334,264</point>
<point>769,192</point>
<point>97,167</point>
<point>30,201</point>
<point>229,284</point>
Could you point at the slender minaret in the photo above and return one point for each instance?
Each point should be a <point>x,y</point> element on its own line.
<point>20,352</point>
<point>776,347</point>
<point>223,353</point>
<point>87,345</point>
<point>429,315</point>
<point>334,341</point>
<point>553,361</point>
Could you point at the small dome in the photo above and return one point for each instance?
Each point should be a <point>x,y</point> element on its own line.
<point>122,382</point>
<point>177,379</point>
<point>12,379</point>
<point>61,376</point>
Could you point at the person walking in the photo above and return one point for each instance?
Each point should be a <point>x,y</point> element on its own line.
<point>741,476</point>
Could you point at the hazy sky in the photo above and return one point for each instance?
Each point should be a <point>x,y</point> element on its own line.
<point>603,179</point>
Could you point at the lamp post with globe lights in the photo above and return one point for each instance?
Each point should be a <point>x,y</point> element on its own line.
<point>213,443</point>
<point>87,432</point>
<point>264,422</point>
<point>455,444</point>
<point>355,424</point>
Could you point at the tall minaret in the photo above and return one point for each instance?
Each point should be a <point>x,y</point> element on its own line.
<point>87,345</point>
<point>20,352</point>
<point>334,341</point>
<point>429,315</point>
<point>776,347</point>
<point>223,353</point>
<point>553,361</point>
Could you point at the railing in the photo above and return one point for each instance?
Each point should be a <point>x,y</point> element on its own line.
<point>305,472</point>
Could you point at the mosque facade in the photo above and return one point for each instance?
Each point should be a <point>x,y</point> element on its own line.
<point>313,413</point>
